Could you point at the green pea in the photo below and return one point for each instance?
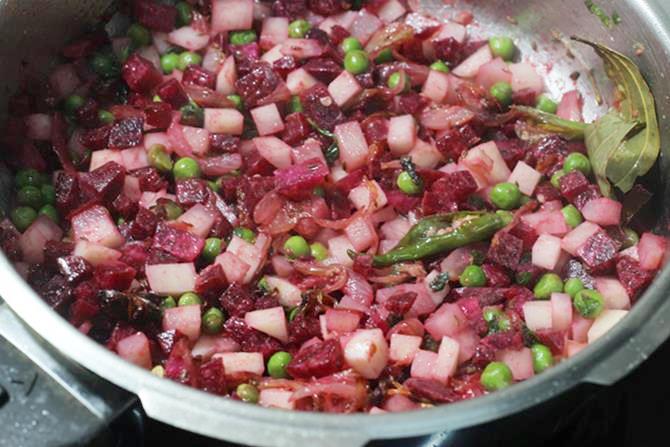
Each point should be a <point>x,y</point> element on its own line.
<point>573,286</point>
<point>105,117</point>
<point>242,37</point>
<point>104,65</point>
<point>506,216</point>
<point>158,370</point>
<point>398,79</point>
<point>159,158</point>
<point>245,234</point>
<point>631,238</point>
<point>319,191</point>
<point>296,104</point>
<point>172,209</point>
<point>28,177</point>
<point>523,278</point>
<point>120,221</point>
<point>212,321</point>
<point>589,303</point>
<point>278,363</point>
<point>318,251</point>
<point>407,185</point>
<point>213,185</point>
<point>490,314</point>
<point>50,211</point>
<point>542,358</point>
<point>188,58</point>
<point>237,101</point>
<point>184,14</point>
<point>169,62</point>
<point>139,35</point>
<point>296,247</point>
<point>356,62</point>
<point>22,217</point>
<point>48,194</point>
<point>505,196</point>
<point>439,66</point>
<point>549,283</point>
<point>472,276</point>
<point>247,393</point>
<point>577,162</point>
<point>212,249</point>
<point>496,376</point>
<point>502,92</point>
<point>168,303</point>
<point>186,167</point>
<point>263,285</point>
<point>502,46</point>
<point>189,299</point>
<point>572,216</point>
<point>556,178</point>
<point>297,29</point>
<point>350,44</point>
<point>30,196</point>
<point>73,103</point>
<point>192,115</point>
<point>385,55</point>
<point>125,52</point>
<point>545,104</point>
<point>496,319</point>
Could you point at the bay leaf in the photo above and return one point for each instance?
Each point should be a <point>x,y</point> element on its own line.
<point>603,137</point>
<point>638,151</point>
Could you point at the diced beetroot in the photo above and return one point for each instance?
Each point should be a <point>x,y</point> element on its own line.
<point>591,192</point>
<point>140,74</point>
<point>172,93</point>
<point>431,389</point>
<point>192,191</point>
<point>196,75</point>
<point>75,268</point>
<point>572,184</point>
<point>158,115</point>
<point>553,339</point>
<point>495,276</point>
<point>105,182</point>
<point>144,224</point>
<point>96,139</point>
<point>237,301</point>
<point>257,84</point>
<point>297,181</point>
<point>155,16</point>
<point>506,249</point>
<point>598,252</point>
<point>296,128</point>
<point>126,133</point>
<point>210,280</point>
<point>320,107</point>
<point>212,377</point>
<point>633,277</point>
<point>178,242</point>
<point>114,275</point>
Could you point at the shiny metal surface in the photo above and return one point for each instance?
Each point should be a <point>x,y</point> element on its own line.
<point>34,29</point>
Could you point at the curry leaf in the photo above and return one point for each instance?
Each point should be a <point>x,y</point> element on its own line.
<point>552,124</point>
<point>637,152</point>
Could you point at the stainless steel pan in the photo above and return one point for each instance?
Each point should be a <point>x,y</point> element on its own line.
<point>34,30</point>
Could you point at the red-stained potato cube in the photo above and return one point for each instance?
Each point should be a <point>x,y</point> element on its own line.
<point>235,363</point>
<point>185,319</point>
<point>361,233</point>
<point>276,398</point>
<point>199,218</point>
<point>353,146</point>
<point>197,138</point>
<point>525,177</point>
<point>390,11</point>
<point>299,81</point>
<point>94,224</point>
<point>342,321</point>
<point>401,134</point>
<point>171,279</point>
<point>577,237</point>
<point>537,315</point>
<point>364,26</point>
<point>470,67</point>
<point>547,222</point>
<point>520,362</point>
<point>34,239</point>
<point>561,311</point>
<point>404,348</point>
<point>228,15</point>
<point>225,79</point>
<point>546,251</point>
<point>602,211</point>
<point>524,76</point>
<point>368,195</point>
<point>367,352</point>
<point>38,126</point>
<point>604,322</point>
<point>493,72</point>
<point>270,321</point>
<point>436,86</point>
<point>613,293</point>
<point>234,268</point>
<point>135,349</point>
<point>344,88</point>
<point>189,38</point>
<point>267,119</point>
<point>96,254</point>
<point>302,48</point>
<point>229,121</point>
<point>447,359</point>
<point>570,107</point>
<point>651,250</point>
<point>288,294</point>
<point>274,32</point>
<point>274,151</point>
<point>447,320</point>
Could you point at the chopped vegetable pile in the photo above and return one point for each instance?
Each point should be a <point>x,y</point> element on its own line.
<point>323,206</point>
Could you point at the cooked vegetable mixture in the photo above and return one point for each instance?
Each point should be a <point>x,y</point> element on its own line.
<point>329,206</point>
